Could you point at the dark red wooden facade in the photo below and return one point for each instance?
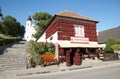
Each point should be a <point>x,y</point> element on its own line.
<point>65,29</point>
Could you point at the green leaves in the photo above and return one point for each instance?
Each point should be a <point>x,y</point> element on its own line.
<point>112,44</point>
<point>41,20</point>
<point>7,39</point>
<point>41,47</point>
<point>116,47</point>
<point>42,16</point>
<point>10,26</point>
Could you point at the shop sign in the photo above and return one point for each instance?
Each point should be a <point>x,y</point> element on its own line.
<point>79,40</point>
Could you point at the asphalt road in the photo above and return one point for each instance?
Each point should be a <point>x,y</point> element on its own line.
<point>108,72</point>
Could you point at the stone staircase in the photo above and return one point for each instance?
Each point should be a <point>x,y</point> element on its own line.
<point>14,57</point>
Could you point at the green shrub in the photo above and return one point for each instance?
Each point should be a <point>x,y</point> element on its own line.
<point>110,45</point>
<point>50,48</point>
<point>116,47</point>
<point>108,50</point>
<point>7,39</point>
<point>41,47</point>
<point>49,53</point>
<point>36,48</point>
<point>36,58</point>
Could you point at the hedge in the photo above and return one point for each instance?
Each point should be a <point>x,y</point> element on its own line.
<point>7,39</point>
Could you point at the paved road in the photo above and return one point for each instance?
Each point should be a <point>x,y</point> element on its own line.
<point>107,72</point>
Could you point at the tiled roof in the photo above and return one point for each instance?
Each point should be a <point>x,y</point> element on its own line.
<point>70,14</point>
<point>110,33</point>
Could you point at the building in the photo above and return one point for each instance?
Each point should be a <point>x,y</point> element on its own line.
<point>75,35</point>
<point>110,33</point>
<point>29,30</point>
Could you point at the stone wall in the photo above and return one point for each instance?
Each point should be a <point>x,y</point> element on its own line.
<point>111,56</point>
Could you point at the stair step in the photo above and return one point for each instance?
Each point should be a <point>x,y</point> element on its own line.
<point>14,57</point>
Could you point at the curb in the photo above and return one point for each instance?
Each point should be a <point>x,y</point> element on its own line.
<point>33,73</point>
<point>61,70</point>
<point>80,68</point>
<point>66,69</point>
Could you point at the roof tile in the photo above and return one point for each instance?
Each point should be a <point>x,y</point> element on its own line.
<point>67,13</point>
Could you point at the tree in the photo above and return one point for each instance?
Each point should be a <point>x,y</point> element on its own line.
<point>12,27</point>
<point>116,47</point>
<point>1,24</point>
<point>21,31</point>
<point>109,43</point>
<point>41,20</point>
<point>0,14</point>
<point>1,27</point>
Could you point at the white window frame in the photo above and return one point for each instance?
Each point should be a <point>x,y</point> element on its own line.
<point>79,30</point>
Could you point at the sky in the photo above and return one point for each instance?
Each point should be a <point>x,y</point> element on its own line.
<point>107,12</point>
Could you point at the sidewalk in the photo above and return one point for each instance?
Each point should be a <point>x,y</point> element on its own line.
<point>54,68</point>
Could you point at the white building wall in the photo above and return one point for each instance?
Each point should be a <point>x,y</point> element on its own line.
<point>42,38</point>
<point>53,38</point>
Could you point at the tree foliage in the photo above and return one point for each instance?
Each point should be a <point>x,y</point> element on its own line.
<point>41,21</point>
<point>1,13</point>
<point>1,27</point>
<point>10,29</point>
<point>116,47</point>
<point>110,45</point>
<point>4,40</point>
<point>10,26</point>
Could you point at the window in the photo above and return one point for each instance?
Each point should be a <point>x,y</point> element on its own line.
<point>79,30</point>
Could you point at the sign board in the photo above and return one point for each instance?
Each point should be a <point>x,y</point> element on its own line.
<point>79,40</point>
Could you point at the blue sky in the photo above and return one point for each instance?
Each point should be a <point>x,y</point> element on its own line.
<point>107,12</point>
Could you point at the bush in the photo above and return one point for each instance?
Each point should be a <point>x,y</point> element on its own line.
<point>116,47</point>
<point>108,50</point>
<point>36,48</point>
<point>41,47</point>
<point>110,45</point>
<point>49,52</point>
<point>7,39</point>
<point>37,59</point>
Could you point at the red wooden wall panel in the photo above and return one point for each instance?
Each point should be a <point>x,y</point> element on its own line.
<point>65,29</point>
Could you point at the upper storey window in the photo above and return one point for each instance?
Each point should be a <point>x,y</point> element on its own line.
<point>79,30</point>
